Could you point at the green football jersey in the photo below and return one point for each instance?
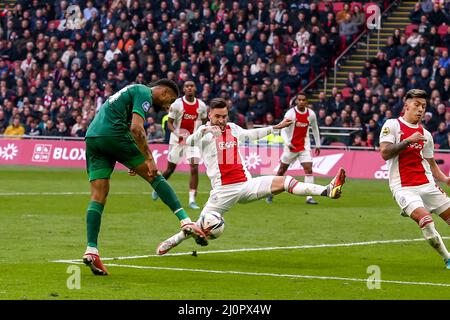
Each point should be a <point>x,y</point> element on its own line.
<point>114,116</point>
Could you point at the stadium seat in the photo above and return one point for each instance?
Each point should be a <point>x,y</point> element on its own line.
<point>338,6</point>
<point>409,28</point>
<point>288,93</point>
<point>442,30</point>
<point>436,146</point>
<point>346,93</point>
<point>363,82</point>
<point>442,49</point>
<point>338,144</point>
<point>277,107</point>
<point>55,23</point>
<point>321,6</point>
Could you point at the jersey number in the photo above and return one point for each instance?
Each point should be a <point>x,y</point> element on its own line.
<point>116,95</point>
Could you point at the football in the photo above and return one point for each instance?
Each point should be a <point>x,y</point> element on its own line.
<point>213,224</point>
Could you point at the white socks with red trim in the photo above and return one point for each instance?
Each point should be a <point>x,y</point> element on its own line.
<point>302,189</point>
<point>192,193</point>
<point>433,237</point>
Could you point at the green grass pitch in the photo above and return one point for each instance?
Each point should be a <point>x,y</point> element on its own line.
<point>42,219</point>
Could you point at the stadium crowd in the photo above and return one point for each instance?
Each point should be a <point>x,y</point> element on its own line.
<point>57,66</point>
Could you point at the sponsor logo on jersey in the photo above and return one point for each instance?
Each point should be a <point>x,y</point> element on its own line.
<point>146,106</point>
<point>188,116</point>
<point>415,145</point>
<point>301,124</point>
<point>227,145</point>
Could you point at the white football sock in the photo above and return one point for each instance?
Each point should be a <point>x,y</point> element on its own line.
<point>434,238</point>
<point>302,189</point>
<point>92,250</point>
<point>192,193</point>
<point>309,178</point>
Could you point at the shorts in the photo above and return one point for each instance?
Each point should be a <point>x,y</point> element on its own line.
<point>178,151</point>
<point>222,198</point>
<point>289,157</point>
<point>428,196</point>
<point>102,153</point>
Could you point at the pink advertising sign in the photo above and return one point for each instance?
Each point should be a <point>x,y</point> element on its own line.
<point>259,160</point>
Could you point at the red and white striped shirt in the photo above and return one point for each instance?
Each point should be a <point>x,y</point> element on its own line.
<point>221,155</point>
<point>186,116</point>
<point>298,133</point>
<point>409,168</point>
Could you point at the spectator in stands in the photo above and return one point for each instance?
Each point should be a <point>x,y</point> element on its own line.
<point>359,17</point>
<point>441,134</point>
<point>257,111</point>
<point>154,134</point>
<point>15,128</point>
<point>437,15</point>
<point>429,123</point>
<point>342,15</point>
<point>348,28</point>
<point>413,39</point>
<point>415,15</point>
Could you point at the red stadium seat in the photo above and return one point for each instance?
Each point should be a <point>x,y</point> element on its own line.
<point>409,29</point>
<point>442,30</point>
<point>436,146</point>
<point>288,94</point>
<point>55,23</point>
<point>338,6</point>
<point>321,6</point>
<point>346,93</point>
<point>363,82</point>
<point>442,49</point>
<point>278,109</point>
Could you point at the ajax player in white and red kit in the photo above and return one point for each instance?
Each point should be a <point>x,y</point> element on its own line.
<point>231,182</point>
<point>297,142</point>
<point>408,149</point>
<point>185,115</point>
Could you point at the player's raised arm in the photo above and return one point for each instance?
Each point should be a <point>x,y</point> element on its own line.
<point>259,133</point>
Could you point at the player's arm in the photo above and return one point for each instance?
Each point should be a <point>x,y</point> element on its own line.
<point>316,134</point>
<point>195,138</point>
<point>437,172</point>
<point>390,150</point>
<point>256,134</point>
<point>138,132</point>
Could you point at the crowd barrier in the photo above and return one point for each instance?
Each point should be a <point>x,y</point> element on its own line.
<point>259,160</point>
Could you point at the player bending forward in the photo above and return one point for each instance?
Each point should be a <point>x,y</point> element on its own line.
<point>408,149</point>
<point>231,182</point>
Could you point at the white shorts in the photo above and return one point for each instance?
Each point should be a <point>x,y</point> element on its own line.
<point>289,157</point>
<point>223,198</point>
<point>428,196</point>
<point>178,151</point>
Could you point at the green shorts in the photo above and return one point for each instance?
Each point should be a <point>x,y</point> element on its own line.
<point>102,153</point>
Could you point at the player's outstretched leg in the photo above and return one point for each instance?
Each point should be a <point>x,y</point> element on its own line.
<point>171,242</point>
<point>334,188</point>
<point>91,258</point>
<point>431,235</point>
<point>289,184</point>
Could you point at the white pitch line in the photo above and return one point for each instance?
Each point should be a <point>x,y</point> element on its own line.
<point>330,245</point>
<point>6,194</point>
<point>279,275</point>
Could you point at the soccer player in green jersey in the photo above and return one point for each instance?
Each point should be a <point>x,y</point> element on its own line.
<point>117,134</point>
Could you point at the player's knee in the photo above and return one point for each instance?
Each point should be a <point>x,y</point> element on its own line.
<point>289,183</point>
<point>152,174</point>
<point>424,220</point>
